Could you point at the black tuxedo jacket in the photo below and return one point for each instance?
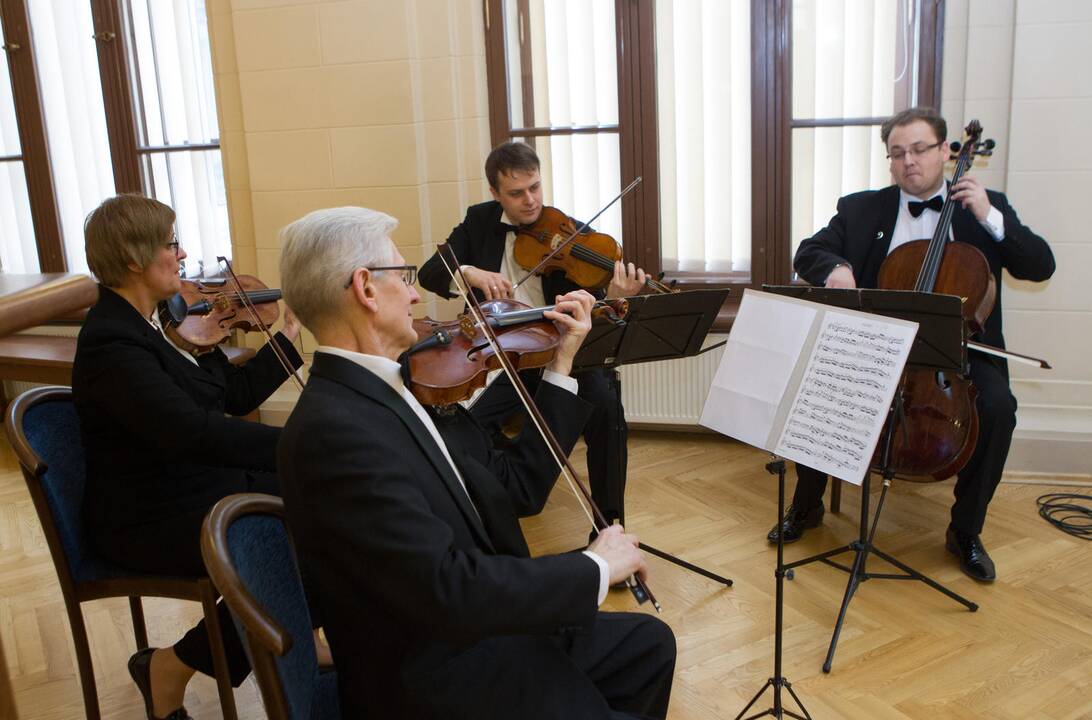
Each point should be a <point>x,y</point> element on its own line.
<point>408,574</point>
<point>153,423</point>
<point>860,234</point>
<point>479,241</point>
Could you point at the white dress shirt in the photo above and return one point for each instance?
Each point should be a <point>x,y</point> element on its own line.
<point>530,292</point>
<point>922,227</point>
<point>389,372</point>
<point>154,322</point>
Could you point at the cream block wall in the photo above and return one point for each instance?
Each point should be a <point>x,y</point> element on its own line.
<point>1021,67</point>
<point>378,103</point>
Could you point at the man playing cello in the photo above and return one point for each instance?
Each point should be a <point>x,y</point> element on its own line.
<point>848,252</point>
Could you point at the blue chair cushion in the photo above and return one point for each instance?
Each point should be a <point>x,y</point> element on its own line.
<point>53,431</point>
<point>266,565</point>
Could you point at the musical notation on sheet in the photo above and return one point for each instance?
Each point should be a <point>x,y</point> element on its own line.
<point>844,393</point>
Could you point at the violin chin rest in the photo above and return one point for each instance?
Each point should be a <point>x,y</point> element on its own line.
<point>176,307</point>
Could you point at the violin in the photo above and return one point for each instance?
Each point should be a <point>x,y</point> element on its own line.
<point>939,420</point>
<point>203,314</point>
<point>553,242</point>
<point>480,321</point>
<point>453,359</point>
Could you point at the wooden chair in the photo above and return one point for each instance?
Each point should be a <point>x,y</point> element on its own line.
<point>249,556</point>
<point>44,432</point>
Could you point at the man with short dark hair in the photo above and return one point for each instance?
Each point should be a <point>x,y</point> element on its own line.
<point>847,253</point>
<point>484,243</point>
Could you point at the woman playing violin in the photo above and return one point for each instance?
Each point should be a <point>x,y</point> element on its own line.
<point>484,242</point>
<point>160,449</point>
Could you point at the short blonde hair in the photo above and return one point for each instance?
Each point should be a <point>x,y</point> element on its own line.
<point>125,229</point>
<point>322,249</point>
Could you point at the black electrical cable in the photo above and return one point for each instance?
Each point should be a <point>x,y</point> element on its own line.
<point>1069,512</point>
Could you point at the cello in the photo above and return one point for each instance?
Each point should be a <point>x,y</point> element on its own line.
<point>936,430</point>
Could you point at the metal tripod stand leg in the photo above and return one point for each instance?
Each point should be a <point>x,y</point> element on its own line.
<point>863,545</point>
<point>684,564</point>
<point>858,574</point>
<point>777,467</point>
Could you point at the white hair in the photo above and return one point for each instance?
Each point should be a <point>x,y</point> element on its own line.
<point>320,251</point>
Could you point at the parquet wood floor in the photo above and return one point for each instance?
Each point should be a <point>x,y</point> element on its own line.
<point>906,651</point>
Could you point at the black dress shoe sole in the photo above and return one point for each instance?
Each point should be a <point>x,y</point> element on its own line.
<point>962,566</point>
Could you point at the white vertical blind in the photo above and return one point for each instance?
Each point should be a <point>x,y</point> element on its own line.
<point>703,79</point>
<point>18,252</point>
<point>847,63</point>
<point>173,72</point>
<point>574,82</point>
<point>68,75</point>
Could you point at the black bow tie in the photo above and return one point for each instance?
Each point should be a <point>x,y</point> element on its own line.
<point>934,203</point>
<point>509,228</point>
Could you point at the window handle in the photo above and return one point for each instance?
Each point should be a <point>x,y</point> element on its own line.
<point>12,47</point>
<point>105,36</point>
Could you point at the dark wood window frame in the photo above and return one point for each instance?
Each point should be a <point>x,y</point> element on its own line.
<point>771,127</point>
<point>125,120</point>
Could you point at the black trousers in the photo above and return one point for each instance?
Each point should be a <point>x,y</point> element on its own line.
<point>623,667</point>
<point>173,547</point>
<point>978,480</point>
<point>605,434</point>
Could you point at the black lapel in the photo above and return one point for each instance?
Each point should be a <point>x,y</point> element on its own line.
<point>493,238</point>
<point>965,228</point>
<point>368,384</point>
<point>118,308</point>
<point>493,504</point>
<point>882,226</point>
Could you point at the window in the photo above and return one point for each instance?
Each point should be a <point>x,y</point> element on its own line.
<point>746,118</point>
<point>562,82</point>
<point>121,94</point>
<point>18,253</point>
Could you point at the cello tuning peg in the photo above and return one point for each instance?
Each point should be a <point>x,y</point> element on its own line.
<point>955,145</point>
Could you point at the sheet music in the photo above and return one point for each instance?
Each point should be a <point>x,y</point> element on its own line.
<point>762,350</point>
<point>847,386</point>
<point>808,382</point>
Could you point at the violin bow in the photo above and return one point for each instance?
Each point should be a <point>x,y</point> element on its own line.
<point>245,298</point>
<point>561,246</point>
<point>636,585</point>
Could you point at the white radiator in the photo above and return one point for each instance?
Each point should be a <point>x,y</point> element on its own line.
<point>670,392</point>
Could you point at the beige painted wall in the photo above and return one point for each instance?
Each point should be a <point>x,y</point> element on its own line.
<point>377,103</point>
<point>1023,68</point>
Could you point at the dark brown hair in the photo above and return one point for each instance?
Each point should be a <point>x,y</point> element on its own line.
<point>125,229</point>
<point>509,156</point>
<point>925,114</point>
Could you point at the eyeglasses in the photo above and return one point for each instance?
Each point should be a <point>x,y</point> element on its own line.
<point>918,150</point>
<point>409,273</point>
<point>175,247</point>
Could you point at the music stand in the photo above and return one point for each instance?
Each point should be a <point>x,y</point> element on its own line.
<point>776,466</point>
<point>657,327</point>
<point>939,345</point>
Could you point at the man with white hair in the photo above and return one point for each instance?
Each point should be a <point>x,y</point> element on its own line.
<point>408,519</point>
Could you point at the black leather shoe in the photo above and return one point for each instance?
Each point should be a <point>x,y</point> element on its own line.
<point>796,521</point>
<point>973,558</point>
<point>140,669</point>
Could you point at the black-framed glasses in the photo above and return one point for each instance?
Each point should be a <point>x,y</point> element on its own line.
<point>175,247</point>
<point>913,151</point>
<point>409,273</point>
